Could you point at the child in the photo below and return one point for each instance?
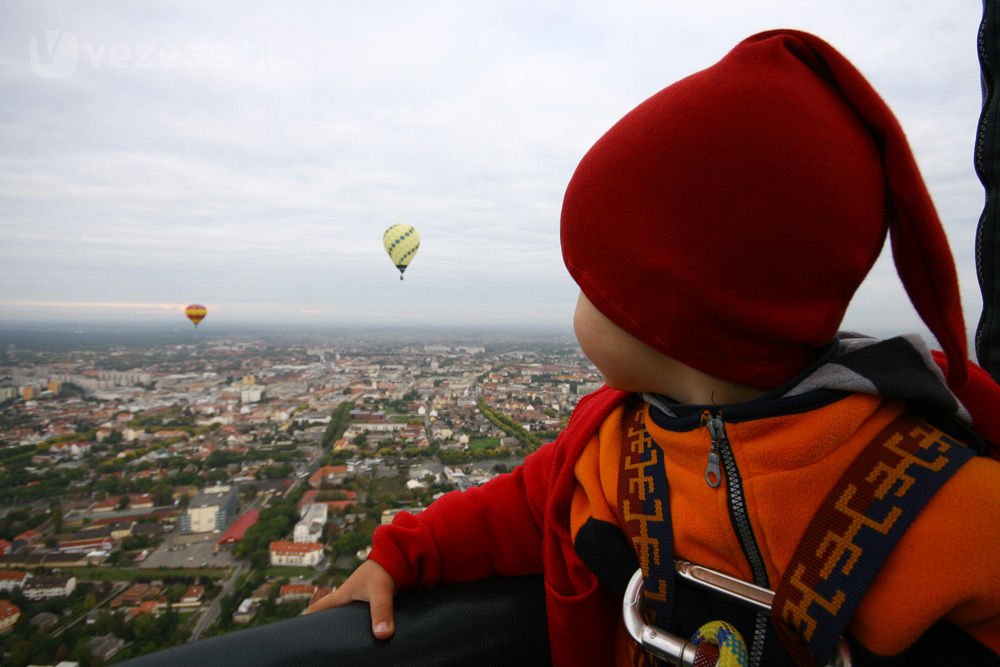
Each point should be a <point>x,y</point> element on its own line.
<point>717,234</point>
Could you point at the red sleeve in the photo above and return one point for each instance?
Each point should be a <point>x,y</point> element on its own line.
<point>494,529</point>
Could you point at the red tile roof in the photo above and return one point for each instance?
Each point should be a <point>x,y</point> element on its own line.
<point>239,528</point>
<point>8,609</point>
<point>295,548</point>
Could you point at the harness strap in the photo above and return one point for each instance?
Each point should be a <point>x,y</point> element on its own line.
<point>854,531</point>
<point>644,506</point>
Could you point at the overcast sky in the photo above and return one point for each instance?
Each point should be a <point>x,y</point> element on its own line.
<point>249,155</point>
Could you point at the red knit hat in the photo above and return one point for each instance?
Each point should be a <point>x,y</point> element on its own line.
<point>728,220</point>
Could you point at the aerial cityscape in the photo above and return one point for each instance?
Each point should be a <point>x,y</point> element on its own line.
<point>161,487</point>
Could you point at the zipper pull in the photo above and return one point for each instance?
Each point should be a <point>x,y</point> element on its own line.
<point>713,475</point>
<point>713,472</point>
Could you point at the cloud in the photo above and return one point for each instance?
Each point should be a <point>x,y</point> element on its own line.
<point>252,155</point>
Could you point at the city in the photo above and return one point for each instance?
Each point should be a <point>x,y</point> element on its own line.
<point>156,490</point>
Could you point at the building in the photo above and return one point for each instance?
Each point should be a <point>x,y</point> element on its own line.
<point>152,607</point>
<point>338,505</point>
<point>150,529</point>
<point>12,580</point>
<point>262,592</point>
<point>135,595</point>
<point>310,527</point>
<point>43,620</point>
<point>252,395</point>
<point>236,531</point>
<point>186,490</point>
<point>98,538</point>
<point>119,530</point>
<point>105,647</point>
<point>46,586</point>
<point>191,598</point>
<point>26,538</point>
<point>75,450</point>
<point>109,504</point>
<point>246,611</point>
<point>139,501</point>
<point>123,378</point>
<point>10,613</point>
<point>331,475</point>
<point>296,553</point>
<point>290,592</point>
<point>29,560</point>
<point>389,515</point>
<point>212,509</point>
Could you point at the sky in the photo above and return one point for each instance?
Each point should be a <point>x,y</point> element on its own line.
<point>249,155</point>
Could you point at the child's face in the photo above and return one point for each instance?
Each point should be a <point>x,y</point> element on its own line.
<point>630,365</point>
<point>625,362</point>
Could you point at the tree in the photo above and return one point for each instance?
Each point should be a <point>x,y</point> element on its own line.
<point>20,653</point>
<point>163,494</point>
<point>57,516</point>
<point>175,592</point>
<point>146,629</point>
<point>226,609</point>
<point>339,420</point>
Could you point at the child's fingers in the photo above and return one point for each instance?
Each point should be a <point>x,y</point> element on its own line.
<point>383,625</point>
<point>381,590</point>
<point>370,583</point>
<point>334,599</point>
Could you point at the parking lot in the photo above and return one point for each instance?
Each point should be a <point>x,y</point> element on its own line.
<point>188,551</point>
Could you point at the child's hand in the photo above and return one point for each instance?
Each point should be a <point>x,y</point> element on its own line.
<point>369,583</point>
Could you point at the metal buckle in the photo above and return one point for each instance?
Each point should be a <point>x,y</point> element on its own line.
<point>680,652</point>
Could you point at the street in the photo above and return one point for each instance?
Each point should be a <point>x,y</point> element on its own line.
<point>212,613</point>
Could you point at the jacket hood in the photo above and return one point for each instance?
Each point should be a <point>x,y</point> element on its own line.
<point>898,368</point>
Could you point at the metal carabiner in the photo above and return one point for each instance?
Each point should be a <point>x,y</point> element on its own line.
<point>680,652</point>
<point>675,650</point>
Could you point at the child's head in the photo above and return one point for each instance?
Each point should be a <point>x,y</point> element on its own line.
<point>727,221</point>
<point>629,364</point>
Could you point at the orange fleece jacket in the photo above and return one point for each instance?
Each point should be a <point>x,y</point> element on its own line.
<point>946,566</point>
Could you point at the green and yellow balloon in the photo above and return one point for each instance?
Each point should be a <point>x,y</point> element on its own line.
<point>401,242</point>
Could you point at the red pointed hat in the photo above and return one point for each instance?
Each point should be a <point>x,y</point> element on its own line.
<point>728,220</point>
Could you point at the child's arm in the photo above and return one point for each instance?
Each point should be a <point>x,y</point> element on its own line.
<point>485,531</point>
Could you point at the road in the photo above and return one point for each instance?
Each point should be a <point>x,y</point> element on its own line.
<point>115,590</point>
<point>212,613</point>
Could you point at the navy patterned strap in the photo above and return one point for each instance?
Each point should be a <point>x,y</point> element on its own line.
<point>644,508</point>
<point>855,530</point>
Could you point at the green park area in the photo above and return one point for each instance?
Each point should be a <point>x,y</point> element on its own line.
<point>483,443</point>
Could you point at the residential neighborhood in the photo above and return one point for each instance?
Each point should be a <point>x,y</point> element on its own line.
<point>154,494</point>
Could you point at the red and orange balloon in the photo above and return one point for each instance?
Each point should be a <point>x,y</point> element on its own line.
<point>196,313</point>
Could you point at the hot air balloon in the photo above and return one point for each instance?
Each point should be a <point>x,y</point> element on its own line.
<point>196,313</point>
<point>401,242</point>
